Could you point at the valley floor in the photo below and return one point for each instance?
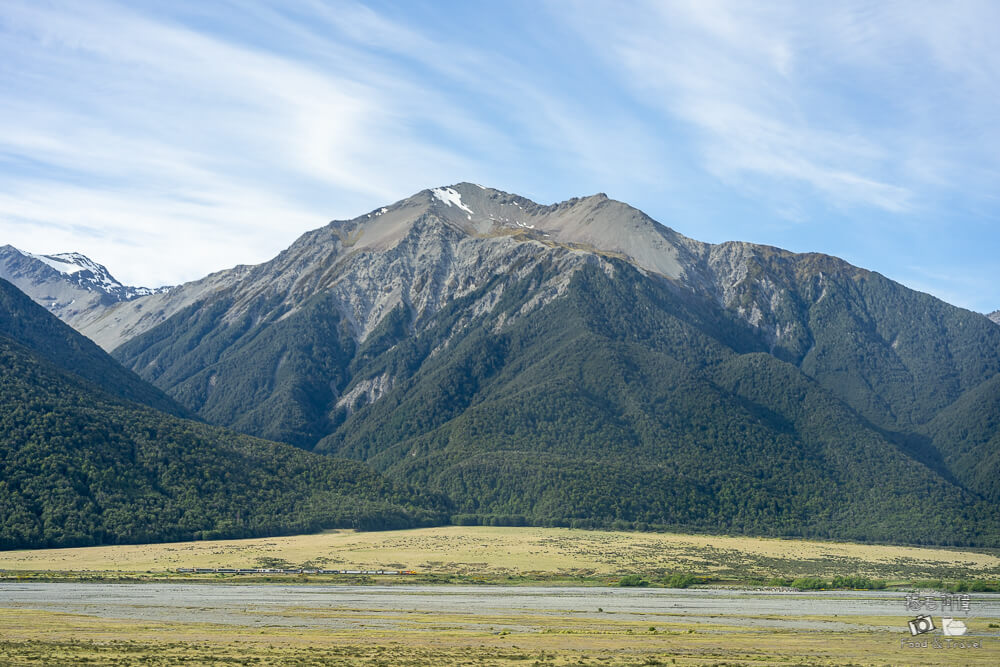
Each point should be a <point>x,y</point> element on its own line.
<point>498,552</point>
<point>113,624</point>
<point>308,620</point>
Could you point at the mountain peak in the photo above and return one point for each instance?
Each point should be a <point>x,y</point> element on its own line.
<point>70,285</point>
<point>85,273</point>
<point>593,224</point>
<point>995,316</point>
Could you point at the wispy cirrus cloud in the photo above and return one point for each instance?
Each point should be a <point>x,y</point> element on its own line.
<point>736,72</point>
<point>145,129</point>
<point>872,119</point>
<point>329,109</point>
<point>128,129</point>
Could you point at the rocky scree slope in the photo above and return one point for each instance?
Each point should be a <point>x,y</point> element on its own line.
<point>70,285</point>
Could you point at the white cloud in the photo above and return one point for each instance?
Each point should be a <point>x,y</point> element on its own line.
<point>782,95</point>
<point>150,117</point>
<point>334,112</point>
<point>152,239</point>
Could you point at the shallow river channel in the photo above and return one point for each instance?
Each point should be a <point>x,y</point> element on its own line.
<point>341,607</point>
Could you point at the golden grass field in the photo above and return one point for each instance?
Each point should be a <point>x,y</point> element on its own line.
<point>472,550</point>
<point>31,637</point>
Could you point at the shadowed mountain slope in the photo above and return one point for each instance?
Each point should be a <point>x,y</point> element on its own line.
<point>46,336</point>
<point>81,466</point>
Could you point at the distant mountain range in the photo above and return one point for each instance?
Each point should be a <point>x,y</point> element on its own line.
<point>582,364</point>
<point>70,285</point>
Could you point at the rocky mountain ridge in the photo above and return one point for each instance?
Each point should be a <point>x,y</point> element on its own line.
<point>384,254</point>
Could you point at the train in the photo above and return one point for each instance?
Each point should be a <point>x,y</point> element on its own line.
<point>271,570</point>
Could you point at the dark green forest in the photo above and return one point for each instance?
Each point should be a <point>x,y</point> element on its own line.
<point>611,407</point>
<point>22,320</point>
<point>852,409</point>
<point>632,401</point>
<point>80,466</point>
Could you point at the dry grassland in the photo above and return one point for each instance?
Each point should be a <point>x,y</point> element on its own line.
<point>525,552</point>
<point>29,637</point>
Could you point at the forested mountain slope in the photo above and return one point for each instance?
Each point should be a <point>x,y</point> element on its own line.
<point>45,335</point>
<point>582,362</point>
<point>81,466</point>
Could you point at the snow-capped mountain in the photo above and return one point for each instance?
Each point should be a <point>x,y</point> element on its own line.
<point>71,285</point>
<point>88,274</point>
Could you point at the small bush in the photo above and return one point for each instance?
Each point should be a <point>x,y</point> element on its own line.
<point>679,580</point>
<point>858,582</point>
<point>632,580</point>
<point>809,584</point>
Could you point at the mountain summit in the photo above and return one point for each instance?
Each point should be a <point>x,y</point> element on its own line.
<point>582,364</point>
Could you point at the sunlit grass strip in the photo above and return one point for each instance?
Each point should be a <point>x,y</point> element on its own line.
<point>30,637</point>
<point>495,552</point>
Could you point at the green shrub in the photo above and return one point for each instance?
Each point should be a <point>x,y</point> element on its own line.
<point>858,582</point>
<point>809,584</point>
<point>679,580</point>
<point>632,580</point>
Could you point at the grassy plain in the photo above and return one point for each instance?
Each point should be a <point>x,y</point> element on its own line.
<point>31,637</point>
<point>525,552</point>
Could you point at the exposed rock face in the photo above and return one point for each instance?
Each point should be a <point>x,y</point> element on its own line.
<point>995,316</point>
<point>420,252</point>
<point>434,247</point>
<point>111,325</point>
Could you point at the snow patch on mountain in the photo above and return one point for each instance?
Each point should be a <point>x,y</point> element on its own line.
<point>59,265</point>
<point>452,198</point>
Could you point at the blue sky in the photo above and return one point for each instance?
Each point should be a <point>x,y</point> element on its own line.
<point>168,140</point>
